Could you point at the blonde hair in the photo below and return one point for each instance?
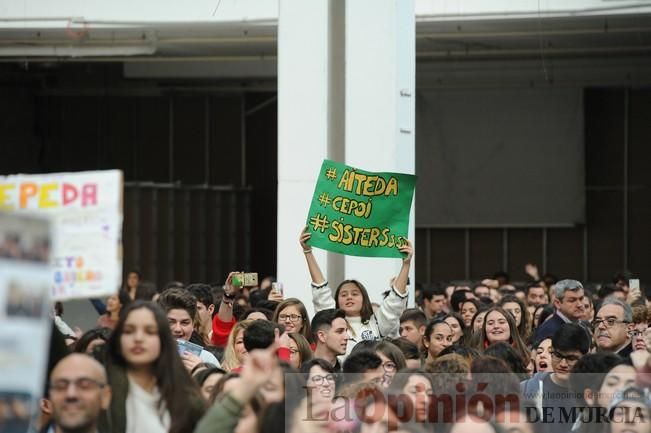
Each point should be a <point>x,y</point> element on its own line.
<point>230,360</point>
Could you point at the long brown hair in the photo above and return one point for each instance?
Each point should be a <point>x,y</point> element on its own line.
<point>367,307</point>
<point>179,393</point>
<point>515,340</point>
<point>524,328</point>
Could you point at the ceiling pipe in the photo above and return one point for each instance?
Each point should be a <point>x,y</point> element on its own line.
<point>421,55</point>
<point>78,51</point>
<point>272,39</point>
<point>139,41</point>
<point>118,59</point>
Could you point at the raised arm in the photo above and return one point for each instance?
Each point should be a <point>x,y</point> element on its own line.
<point>225,414</point>
<point>315,271</point>
<point>225,312</point>
<point>99,305</point>
<point>403,276</point>
<point>321,294</point>
<point>393,305</point>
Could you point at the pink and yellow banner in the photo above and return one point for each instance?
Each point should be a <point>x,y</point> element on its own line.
<point>86,213</point>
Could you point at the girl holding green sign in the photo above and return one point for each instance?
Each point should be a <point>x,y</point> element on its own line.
<point>352,297</point>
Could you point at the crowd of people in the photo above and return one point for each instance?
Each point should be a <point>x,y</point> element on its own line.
<point>545,356</point>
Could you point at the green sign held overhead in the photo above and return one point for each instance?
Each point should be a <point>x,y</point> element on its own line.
<point>360,213</point>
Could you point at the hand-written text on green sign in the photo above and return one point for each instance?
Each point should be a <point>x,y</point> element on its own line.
<point>360,213</point>
<point>369,186</point>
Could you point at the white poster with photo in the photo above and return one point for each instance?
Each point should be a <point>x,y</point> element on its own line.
<point>25,306</point>
<point>86,213</point>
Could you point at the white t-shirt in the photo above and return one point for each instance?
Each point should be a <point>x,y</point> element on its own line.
<point>143,414</point>
<point>209,357</point>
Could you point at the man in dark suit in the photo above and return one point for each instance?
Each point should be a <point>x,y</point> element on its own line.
<point>568,302</point>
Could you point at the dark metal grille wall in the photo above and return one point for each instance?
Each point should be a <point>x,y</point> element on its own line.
<point>617,233</point>
<point>188,234</point>
<point>473,254</point>
<point>219,144</point>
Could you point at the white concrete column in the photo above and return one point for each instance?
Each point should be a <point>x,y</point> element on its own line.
<point>310,128</point>
<point>380,108</point>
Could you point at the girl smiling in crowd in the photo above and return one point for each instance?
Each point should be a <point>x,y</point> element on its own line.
<point>500,326</point>
<point>293,315</point>
<point>438,335</point>
<point>352,297</point>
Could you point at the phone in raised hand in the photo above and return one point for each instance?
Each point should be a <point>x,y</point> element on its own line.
<point>277,288</point>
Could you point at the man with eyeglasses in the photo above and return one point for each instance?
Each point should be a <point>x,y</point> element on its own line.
<point>612,328</point>
<point>78,393</point>
<point>568,302</point>
<point>549,391</point>
<point>641,328</point>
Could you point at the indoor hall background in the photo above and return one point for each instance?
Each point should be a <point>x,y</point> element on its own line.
<point>161,132</point>
<point>617,233</point>
<point>199,162</point>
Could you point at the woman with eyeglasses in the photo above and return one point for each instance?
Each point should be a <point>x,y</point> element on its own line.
<point>292,314</point>
<point>641,315</point>
<point>151,389</point>
<point>352,297</point>
<point>320,379</point>
<point>393,360</point>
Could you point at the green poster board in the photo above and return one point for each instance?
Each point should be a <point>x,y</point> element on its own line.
<point>360,213</point>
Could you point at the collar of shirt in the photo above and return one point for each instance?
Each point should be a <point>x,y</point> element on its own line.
<point>563,317</point>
